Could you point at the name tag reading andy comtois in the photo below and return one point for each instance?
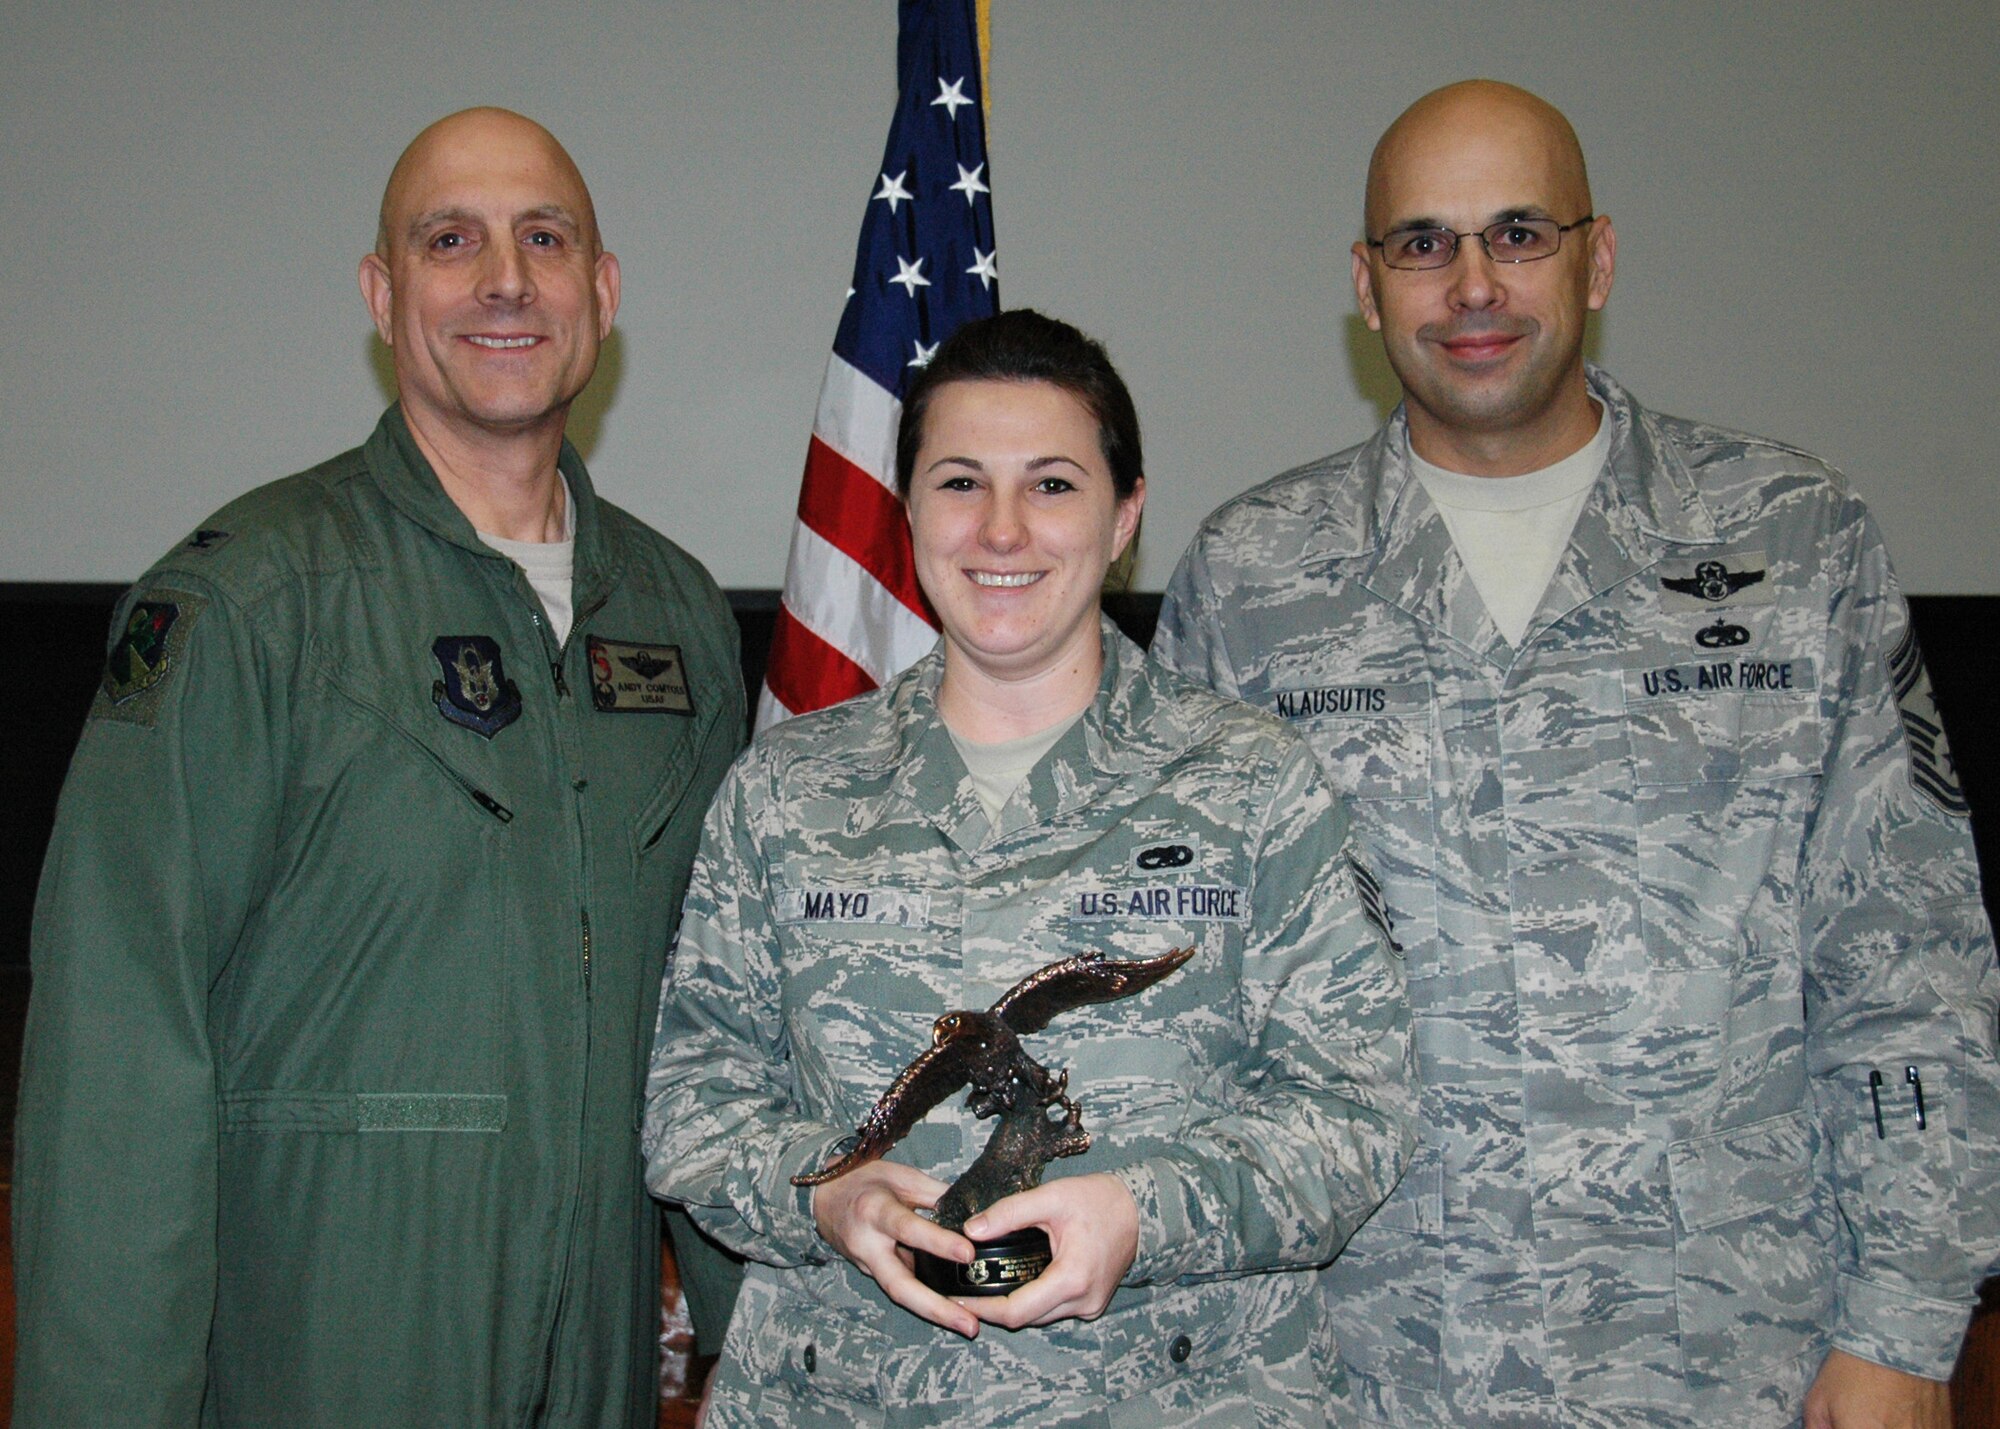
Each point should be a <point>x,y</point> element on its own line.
<point>627,677</point>
<point>1163,903</point>
<point>884,907</point>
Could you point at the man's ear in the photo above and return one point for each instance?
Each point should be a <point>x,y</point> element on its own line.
<point>1364,287</point>
<point>610,283</point>
<point>376,291</point>
<point>1603,261</point>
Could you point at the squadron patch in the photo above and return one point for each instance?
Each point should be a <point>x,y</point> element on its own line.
<point>630,678</point>
<point>475,692</point>
<point>1713,581</point>
<point>141,658</point>
<point>1932,769</point>
<point>1373,906</point>
<point>145,652</point>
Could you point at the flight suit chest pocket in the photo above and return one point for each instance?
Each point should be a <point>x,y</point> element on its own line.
<point>1725,759</point>
<point>664,802</point>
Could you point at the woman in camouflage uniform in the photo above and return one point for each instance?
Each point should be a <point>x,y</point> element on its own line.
<point>1032,790</point>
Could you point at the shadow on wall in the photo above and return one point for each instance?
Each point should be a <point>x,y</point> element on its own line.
<point>586,416</point>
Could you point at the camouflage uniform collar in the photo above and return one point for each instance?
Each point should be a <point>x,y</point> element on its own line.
<point>404,474</point>
<point>1376,497</point>
<point>1129,729</point>
<point>1656,490</point>
<point>1376,513</point>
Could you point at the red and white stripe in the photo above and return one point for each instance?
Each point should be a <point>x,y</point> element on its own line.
<point>851,616</point>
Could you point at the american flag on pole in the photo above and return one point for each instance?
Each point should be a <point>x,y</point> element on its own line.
<point>852,615</point>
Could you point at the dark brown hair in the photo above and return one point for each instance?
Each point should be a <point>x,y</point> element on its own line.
<point>1022,345</point>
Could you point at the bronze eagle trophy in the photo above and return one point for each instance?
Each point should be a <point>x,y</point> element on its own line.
<point>1038,1120</point>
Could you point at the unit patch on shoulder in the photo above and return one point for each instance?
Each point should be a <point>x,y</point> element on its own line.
<point>475,692</point>
<point>1932,769</point>
<point>145,652</point>
<point>207,539</point>
<point>1741,578</point>
<point>627,677</point>
<point>140,659</point>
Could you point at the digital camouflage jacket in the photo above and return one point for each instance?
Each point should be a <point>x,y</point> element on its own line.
<point>1255,1102</point>
<point>1673,881</point>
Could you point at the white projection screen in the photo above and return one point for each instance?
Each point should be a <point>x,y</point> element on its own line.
<point>1805,198</point>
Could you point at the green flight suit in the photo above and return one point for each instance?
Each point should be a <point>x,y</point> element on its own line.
<point>346,959</point>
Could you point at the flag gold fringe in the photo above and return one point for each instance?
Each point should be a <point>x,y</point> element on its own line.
<point>985,12</point>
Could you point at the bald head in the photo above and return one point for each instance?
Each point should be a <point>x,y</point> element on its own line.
<point>1478,122</point>
<point>482,142</point>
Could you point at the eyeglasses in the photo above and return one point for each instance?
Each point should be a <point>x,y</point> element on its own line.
<point>1512,240</point>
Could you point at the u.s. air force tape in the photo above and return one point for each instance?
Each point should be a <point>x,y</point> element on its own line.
<point>1162,903</point>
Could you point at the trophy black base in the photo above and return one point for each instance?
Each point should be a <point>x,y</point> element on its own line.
<point>999,1267</point>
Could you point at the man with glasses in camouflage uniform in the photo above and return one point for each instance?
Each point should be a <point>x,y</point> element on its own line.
<point>1636,734</point>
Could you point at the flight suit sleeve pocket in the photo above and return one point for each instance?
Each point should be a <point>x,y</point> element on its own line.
<point>1753,1278</point>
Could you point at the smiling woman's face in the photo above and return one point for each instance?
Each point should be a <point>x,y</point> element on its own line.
<point>1015,520</point>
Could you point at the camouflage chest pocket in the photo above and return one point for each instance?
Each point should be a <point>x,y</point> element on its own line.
<point>1375,742</point>
<point>1725,759</point>
<point>866,970</point>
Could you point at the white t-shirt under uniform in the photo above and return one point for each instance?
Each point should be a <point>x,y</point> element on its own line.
<point>550,566</point>
<point>1511,531</point>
